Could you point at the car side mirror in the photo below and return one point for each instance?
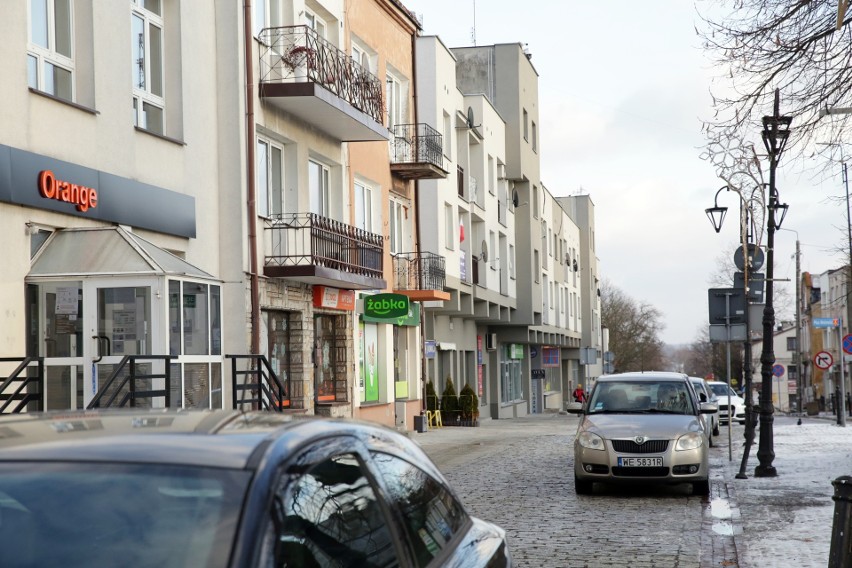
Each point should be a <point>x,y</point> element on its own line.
<point>574,407</point>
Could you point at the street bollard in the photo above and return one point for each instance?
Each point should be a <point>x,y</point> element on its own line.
<point>840,555</point>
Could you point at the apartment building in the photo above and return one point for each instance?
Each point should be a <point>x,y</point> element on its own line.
<point>512,328</point>
<point>823,296</point>
<point>109,173</point>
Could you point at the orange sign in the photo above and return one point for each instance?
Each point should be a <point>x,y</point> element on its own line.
<point>80,195</point>
<point>335,298</point>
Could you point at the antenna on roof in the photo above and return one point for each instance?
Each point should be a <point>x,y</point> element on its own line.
<point>473,29</point>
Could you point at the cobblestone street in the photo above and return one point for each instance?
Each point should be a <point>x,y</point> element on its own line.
<point>518,473</point>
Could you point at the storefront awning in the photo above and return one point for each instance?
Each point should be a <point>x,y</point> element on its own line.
<point>107,251</point>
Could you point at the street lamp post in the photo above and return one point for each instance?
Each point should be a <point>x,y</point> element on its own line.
<point>776,132</point>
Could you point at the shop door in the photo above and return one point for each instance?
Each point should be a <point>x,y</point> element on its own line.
<point>123,323</point>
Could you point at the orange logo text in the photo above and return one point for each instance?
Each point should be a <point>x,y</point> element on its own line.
<point>80,195</point>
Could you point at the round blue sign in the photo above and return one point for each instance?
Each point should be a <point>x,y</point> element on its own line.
<point>778,370</point>
<point>533,352</point>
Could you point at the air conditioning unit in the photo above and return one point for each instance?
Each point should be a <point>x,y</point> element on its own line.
<point>491,341</point>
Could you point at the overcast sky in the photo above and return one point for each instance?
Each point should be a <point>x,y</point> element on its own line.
<point>623,87</point>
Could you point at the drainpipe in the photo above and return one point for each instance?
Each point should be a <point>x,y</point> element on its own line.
<point>417,230</point>
<point>250,175</point>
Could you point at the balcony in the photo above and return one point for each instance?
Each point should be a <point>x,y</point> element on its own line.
<point>417,152</point>
<point>308,77</point>
<point>313,249</point>
<point>420,276</point>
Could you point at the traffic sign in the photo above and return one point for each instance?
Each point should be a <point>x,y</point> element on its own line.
<point>778,370</point>
<point>826,322</point>
<point>847,344</point>
<point>823,360</point>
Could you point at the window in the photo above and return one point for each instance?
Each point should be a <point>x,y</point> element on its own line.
<point>534,138</point>
<point>267,14</point>
<point>363,206</point>
<point>526,125</point>
<point>536,266</point>
<point>315,23</point>
<point>431,515</point>
<point>50,57</point>
<point>492,246</point>
<point>449,234</point>
<point>512,261</point>
<point>329,516</point>
<point>146,41</point>
<point>397,226</point>
<point>535,202</point>
<point>395,101</point>
<point>270,173</point>
<point>448,136</point>
<point>491,183</point>
<point>791,344</point>
<point>318,179</point>
<point>283,338</point>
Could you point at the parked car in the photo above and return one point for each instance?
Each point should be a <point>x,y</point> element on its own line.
<point>711,421</point>
<point>730,403</point>
<point>227,488</point>
<point>641,428</point>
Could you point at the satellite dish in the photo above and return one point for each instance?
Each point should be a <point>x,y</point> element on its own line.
<point>470,117</point>
<point>483,256</point>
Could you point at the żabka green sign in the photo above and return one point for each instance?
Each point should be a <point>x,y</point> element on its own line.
<point>386,306</point>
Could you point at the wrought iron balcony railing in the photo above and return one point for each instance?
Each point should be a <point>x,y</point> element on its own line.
<point>417,144</point>
<point>419,271</point>
<point>308,239</point>
<point>292,54</point>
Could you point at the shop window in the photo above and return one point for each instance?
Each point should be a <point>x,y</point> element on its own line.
<point>369,379</point>
<point>330,358</point>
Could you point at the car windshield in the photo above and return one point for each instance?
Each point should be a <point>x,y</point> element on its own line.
<point>641,397</point>
<point>722,389</point>
<point>94,514</point>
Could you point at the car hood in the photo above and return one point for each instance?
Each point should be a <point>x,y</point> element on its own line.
<point>733,400</point>
<point>659,426</point>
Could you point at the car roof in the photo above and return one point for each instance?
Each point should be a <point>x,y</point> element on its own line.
<point>644,376</point>
<point>212,438</point>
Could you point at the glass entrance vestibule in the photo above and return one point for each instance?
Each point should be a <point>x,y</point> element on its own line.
<point>94,296</point>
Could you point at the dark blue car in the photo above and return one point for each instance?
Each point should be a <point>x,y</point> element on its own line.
<point>162,489</point>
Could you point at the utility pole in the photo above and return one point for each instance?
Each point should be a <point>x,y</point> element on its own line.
<point>799,390</point>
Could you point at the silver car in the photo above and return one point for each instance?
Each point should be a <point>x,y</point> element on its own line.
<point>641,428</point>
<point>711,421</point>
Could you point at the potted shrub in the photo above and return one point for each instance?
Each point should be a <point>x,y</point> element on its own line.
<point>469,403</point>
<point>431,397</point>
<point>298,59</point>
<point>449,403</point>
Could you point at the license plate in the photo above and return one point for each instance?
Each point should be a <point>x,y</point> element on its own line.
<point>640,462</point>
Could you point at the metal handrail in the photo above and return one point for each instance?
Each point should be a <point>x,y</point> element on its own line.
<point>417,143</point>
<point>298,53</point>
<point>18,394</point>
<point>272,393</point>
<point>419,271</point>
<point>308,239</point>
<point>117,385</point>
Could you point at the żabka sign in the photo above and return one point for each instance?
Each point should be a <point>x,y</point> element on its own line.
<point>80,195</point>
<point>386,306</point>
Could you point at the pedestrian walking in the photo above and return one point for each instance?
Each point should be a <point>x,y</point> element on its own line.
<point>579,394</point>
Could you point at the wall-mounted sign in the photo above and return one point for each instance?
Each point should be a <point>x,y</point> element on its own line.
<point>334,298</point>
<point>386,306</point>
<point>51,188</point>
<point>411,319</point>
<point>430,348</point>
<point>516,351</point>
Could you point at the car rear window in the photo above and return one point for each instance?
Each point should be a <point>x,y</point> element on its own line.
<point>92,514</point>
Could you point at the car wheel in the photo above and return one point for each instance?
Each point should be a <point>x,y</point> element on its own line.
<point>582,486</point>
<point>701,488</point>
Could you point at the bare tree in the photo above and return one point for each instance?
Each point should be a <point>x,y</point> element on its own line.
<point>634,329</point>
<point>801,47</point>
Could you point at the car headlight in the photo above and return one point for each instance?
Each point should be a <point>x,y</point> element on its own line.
<point>689,441</point>
<point>591,441</point>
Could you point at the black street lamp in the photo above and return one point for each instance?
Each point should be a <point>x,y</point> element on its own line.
<point>776,132</point>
